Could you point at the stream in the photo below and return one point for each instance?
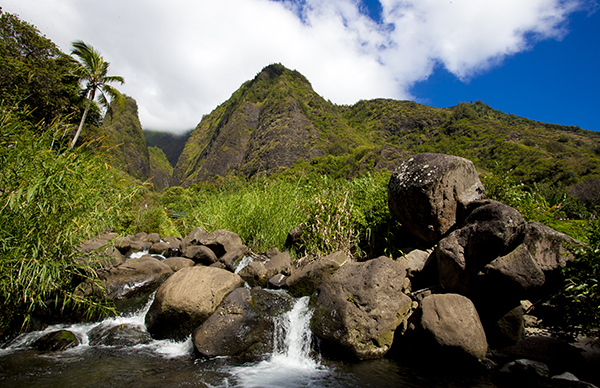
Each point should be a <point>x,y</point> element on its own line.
<point>294,362</point>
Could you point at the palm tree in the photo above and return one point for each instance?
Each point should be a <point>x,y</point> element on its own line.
<point>91,69</point>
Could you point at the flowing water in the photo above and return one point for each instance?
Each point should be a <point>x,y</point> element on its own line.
<point>138,361</point>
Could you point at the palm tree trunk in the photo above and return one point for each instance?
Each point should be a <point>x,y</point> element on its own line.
<point>85,113</point>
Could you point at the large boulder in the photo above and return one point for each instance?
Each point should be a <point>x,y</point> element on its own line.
<point>491,230</point>
<point>187,299</point>
<point>305,281</point>
<point>242,326</point>
<point>548,249</point>
<point>448,325</point>
<point>360,307</point>
<point>428,193</point>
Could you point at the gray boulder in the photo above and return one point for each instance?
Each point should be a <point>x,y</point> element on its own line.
<point>187,299</point>
<point>448,325</point>
<point>428,192</point>
<point>491,230</point>
<point>305,281</point>
<point>242,325</point>
<point>360,307</point>
<point>101,252</point>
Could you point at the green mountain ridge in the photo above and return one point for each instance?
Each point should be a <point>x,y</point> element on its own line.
<point>276,121</point>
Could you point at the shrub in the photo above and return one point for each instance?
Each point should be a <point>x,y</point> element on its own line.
<point>49,202</point>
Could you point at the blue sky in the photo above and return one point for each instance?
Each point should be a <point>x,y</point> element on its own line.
<point>181,58</point>
<point>555,81</point>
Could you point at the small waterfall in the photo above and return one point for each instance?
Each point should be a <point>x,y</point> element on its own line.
<point>291,364</point>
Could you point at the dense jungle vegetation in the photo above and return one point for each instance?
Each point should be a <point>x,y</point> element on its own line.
<point>52,198</point>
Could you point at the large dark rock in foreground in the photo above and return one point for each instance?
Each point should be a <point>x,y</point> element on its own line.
<point>447,325</point>
<point>187,299</point>
<point>360,307</point>
<point>243,325</point>
<point>428,193</point>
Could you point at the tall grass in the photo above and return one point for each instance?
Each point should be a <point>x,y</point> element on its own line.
<point>334,214</point>
<point>49,201</point>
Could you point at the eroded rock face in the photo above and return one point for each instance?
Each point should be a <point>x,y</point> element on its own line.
<point>242,325</point>
<point>449,324</point>
<point>360,307</point>
<point>187,299</point>
<point>428,193</point>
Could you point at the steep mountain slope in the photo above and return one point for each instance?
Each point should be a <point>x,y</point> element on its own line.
<point>171,144</point>
<point>126,139</point>
<point>267,125</point>
<point>277,121</point>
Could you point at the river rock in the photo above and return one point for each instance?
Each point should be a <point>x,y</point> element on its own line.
<point>428,192</point>
<point>136,276</point>
<point>194,237</point>
<point>255,274</point>
<point>280,263</point>
<point>448,325</point>
<point>100,250</point>
<point>491,230</point>
<point>132,278</point>
<point>242,325</point>
<point>305,281</point>
<point>120,335</point>
<point>234,257</point>
<point>187,299</point>
<point>56,341</point>
<point>200,254</point>
<point>221,241</point>
<point>177,263</point>
<point>557,354</point>
<point>360,307</point>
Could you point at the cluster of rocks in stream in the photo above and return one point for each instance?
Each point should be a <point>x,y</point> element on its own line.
<point>478,261</point>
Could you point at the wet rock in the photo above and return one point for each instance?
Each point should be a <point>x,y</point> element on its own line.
<point>187,299</point>
<point>242,325</point>
<point>56,341</point>
<point>527,368</point>
<point>428,192</point>
<point>120,335</point>
<point>360,307</point>
<point>255,274</point>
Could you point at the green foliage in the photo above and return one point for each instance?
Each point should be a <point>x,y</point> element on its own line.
<point>579,300</point>
<point>334,213</point>
<point>552,206</point>
<point>92,70</point>
<point>49,202</point>
<point>35,74</point>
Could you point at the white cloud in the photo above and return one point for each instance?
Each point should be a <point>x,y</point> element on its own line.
<point>181,58</point>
